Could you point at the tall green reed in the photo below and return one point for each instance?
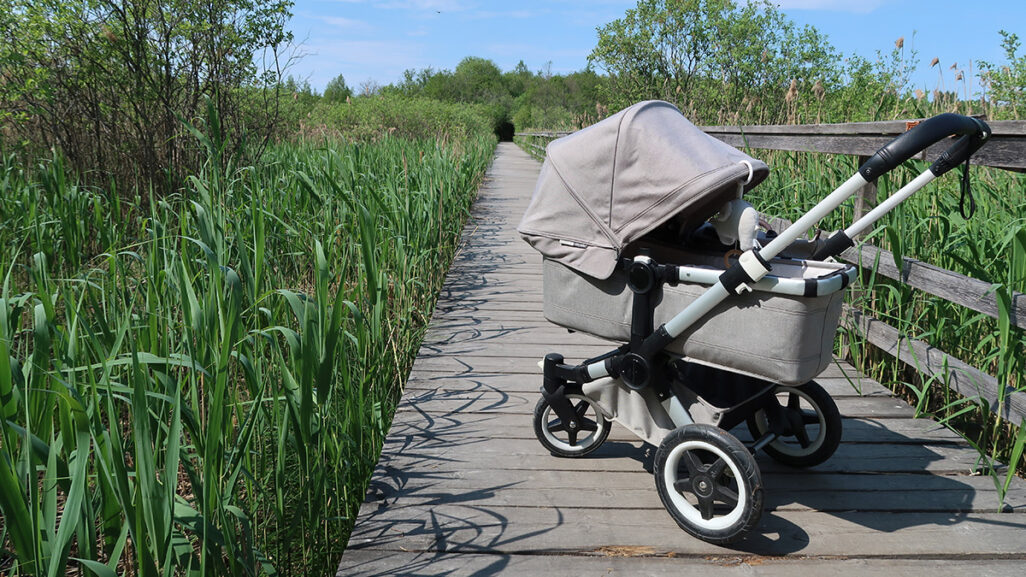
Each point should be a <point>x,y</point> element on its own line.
<point>199,384</point>
<point>929,227</point>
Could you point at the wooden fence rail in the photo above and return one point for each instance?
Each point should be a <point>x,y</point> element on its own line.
<point>1006,150</point>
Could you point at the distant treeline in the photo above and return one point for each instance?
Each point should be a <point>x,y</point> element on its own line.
<point>110,84</point>
<point>721,62</point>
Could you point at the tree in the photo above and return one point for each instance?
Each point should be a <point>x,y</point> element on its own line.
<point>1007,84</point>
<point>336,90</point>
<point>711,56</point>
<point>478,80</point>
<point>110,81</point>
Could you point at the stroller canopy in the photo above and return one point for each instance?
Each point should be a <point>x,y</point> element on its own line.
<point>609,184</point>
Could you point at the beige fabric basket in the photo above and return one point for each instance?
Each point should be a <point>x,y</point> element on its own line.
<point>780,338</point>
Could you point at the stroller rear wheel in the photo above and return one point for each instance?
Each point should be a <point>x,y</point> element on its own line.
<point>709,483</point>
<point>563,442</point>
<point>815,420</point>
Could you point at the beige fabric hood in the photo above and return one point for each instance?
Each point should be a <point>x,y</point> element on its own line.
<point>609,184</point>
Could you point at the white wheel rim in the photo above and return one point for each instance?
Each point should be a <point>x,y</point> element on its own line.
<point>582,443</point>
<point>690,512</point>
<point>794,449</point>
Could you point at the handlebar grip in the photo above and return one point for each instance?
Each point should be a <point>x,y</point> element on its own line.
<point>927,133</point>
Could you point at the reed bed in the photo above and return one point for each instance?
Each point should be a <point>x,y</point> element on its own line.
<point>199,384</point>
<point>991,245</point>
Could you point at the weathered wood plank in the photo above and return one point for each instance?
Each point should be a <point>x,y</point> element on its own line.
<point>783,493</point>
<point>494,365</point>
<point>646,561</point>
<point>966,380</point>
<point>560,531</point>
<point>1004,150</point>
<point>837,387</point>
<point>444,425</point>
<point>528,454</point>
<point>972,293</point>
<point>486,399</point>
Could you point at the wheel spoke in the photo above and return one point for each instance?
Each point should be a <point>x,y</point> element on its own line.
<point>716,469</point>
<point>555,426</point>
<point>692,463</point>
<point>705,505</point>
<point>727,495</point>
<point>586,424</point>
<point>682,486</point>
<point>802,435</point>
<point>581,408</point>
<point>810,417</point>
<point>794,402</point>
<point>571,437</point>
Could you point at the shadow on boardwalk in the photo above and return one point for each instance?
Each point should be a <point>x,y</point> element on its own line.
<point>464,488</point>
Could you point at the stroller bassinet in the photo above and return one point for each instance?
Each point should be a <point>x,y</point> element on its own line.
<point>709,339</point>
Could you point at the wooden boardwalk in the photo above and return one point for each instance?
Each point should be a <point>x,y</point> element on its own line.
<point>463,487</point>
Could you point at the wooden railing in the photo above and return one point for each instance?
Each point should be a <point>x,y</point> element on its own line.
<point>1006,150</point>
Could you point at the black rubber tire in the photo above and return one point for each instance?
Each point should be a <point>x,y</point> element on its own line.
<point>701,459</point>
<point>818,408</point>
<point>545,421</point>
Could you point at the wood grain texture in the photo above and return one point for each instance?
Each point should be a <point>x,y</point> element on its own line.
<point>464,488</point>
<point>968,381</point>
<point>971,293</point>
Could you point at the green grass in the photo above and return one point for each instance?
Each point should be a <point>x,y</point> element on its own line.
<point>199,384</point>
<point>990,246</point>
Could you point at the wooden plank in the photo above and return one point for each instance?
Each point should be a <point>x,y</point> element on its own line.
<point>783,492</point>
<point>568,531</point>
<point>1004,150</point>
<point>966,380</point>
<point>795,483</point>
<point>612,561</point>
<point>420,380</point>
<point>414,420</point>
<point>972,293</point>
<point>527,454</point>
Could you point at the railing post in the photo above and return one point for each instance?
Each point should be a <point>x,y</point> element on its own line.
<point>867,197</point>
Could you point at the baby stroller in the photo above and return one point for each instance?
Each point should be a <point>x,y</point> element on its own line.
<point>711,337</point>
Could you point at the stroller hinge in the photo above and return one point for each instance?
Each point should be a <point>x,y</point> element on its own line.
<point>554,390</point>
<point>752,267</point>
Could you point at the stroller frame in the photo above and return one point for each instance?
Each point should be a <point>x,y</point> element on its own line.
<point>720,470</point>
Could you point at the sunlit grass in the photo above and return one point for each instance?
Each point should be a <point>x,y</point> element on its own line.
<point>199,384</point>
<point>990,246</point>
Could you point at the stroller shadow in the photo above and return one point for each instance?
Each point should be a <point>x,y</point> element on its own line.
<point>416,501</point>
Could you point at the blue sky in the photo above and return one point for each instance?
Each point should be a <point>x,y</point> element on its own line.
<point>375,40</point>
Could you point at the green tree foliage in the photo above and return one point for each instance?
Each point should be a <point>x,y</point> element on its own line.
<point>721,61</point>
<point>519,96</point>
<point>337,90</point>
<point>1006,84</point>
<point>109,81</point>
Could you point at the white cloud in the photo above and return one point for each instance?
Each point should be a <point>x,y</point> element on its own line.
<point>383,61</point>
<point>346,23</point>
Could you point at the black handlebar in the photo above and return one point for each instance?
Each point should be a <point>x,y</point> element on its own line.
<point>973,132</point>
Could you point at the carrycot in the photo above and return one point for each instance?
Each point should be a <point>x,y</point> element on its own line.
<point>603,189</point>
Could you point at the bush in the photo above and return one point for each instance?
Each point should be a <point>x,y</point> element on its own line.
<point>372,117</point>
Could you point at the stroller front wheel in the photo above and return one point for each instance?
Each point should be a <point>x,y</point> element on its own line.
<point>562,442</point>
<point>709,483</point>
<point>815,420</point>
